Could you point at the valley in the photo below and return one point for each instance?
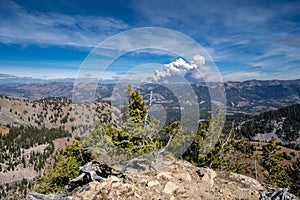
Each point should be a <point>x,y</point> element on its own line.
<point>259,110</point>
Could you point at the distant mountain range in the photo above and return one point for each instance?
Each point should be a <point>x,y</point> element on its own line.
<point>252,96</point>
<point>258,96</point>
<point>8,78</point>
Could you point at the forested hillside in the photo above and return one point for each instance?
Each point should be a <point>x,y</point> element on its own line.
<point>54,112</point>
<point>138,145</point>
<point>137,142</point>
<point>283,124</point>
<point>253,96</point>
<point>24,153</point>
<point>32,133</point>
<point>15,147</point>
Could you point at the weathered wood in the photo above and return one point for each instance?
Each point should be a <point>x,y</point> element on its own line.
<point>37,196</point>
<point>278,194</point>
<point>96,171</point>
<point>78,178</point>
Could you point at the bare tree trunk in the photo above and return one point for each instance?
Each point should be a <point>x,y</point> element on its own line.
<point>255,165</point>
<point>150,103</point>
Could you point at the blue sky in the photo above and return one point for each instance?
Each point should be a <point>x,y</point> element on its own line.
<point>246,39</point>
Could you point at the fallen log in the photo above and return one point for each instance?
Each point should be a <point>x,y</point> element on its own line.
<point>278,194</point>
<point>37,196</point>
<point>95,171</point>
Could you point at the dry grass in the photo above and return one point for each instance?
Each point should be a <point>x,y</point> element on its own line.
<point>52,113</point>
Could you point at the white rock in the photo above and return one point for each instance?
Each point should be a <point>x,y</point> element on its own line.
<point>185,176</point>
<point>153,183</point>
<point>208,175</point>
<point>142,181</point>
<point>170,187</point>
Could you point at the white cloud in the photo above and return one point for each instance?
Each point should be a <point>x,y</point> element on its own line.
<point>174,68</point>
<point>195,69</point>
<point>234,33</point>
<point>21,26</point>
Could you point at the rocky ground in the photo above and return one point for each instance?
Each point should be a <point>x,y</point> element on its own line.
<point>173,180</point>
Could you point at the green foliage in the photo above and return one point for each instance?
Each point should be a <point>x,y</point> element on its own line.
<point>272,163</point>
<point>136,136</point>
<point>67,166</point>
<point>223,156</point>
<point>211,148</point>
<point>14,190</point>
<point>194,152</point>
<point>132,137</point>
<point>264,123</point>
<point>136,106</point>
<point>23,138</point>
<point>293,173</point>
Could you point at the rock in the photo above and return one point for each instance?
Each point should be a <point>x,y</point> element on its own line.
<point>97,186</point>
<point>137,195</point>
<point>165,175</point>
<point>142,181</point>
<point>226,192</point>
<point>113,181</point>
<point>207,175</point>
<point>104,191</point>
<point>246,180</point>
<point>86,194</point>
<point>172,198</point>
<point>127,186</point>
<point>178,180</point>
<point>153,183</point>
<point>170,187</point>
<point>185,176</point>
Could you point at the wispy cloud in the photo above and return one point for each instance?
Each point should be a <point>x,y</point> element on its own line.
<point>41,69</point>
<point>293,42</point>
<point>242,76</point>
<point>259,75</point>
<point>23,27</point>
<point>257,39</point>
<point>256,66</point>
<point>259,34</point>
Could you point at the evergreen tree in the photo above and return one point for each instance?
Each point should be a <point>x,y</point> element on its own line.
<point>134,137</point>
<point>272,163</point>
<point>135,104</point>
<point>293,173</point>
<point>56,178</point>
<point>217,151</point>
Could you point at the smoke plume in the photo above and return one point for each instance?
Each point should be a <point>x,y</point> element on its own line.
<point>182,68</point>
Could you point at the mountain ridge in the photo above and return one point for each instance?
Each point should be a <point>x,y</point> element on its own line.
<point>283,124</point>
<point>252,96</point>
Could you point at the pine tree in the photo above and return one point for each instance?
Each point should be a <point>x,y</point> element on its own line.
<point>136,106</point>
<point>293,173</point>
<point>56,178</point>
<point>134,137</point>
<point>272,163</point>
